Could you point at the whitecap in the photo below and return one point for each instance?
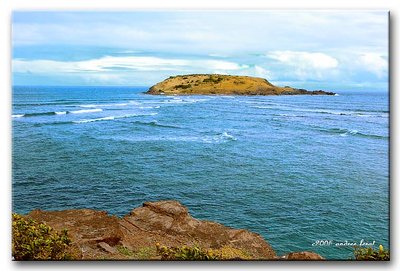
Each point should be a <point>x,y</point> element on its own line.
<point>84,111</point>
<point>61,112</point>
<point>228,136</point>
<point>174,101</point>
<point>111,105</point>
<point>227,96</point>
<point>102,105</point>
<point>135,102</point>
<point>93,120</point>
<point>87,105</point>
<point>349,132</point>
<point>193,100</point>
<point>113,117</point>
<point>224,137</point>
<point>17,116</point>
<point>263,107</point>
<point>149,107</point>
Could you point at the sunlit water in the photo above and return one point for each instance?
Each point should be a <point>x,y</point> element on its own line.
<point>294,169</point>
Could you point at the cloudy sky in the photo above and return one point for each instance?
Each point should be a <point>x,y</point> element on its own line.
<point>311,49</point>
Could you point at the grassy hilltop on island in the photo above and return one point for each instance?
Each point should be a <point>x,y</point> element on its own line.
<point>214,84</point>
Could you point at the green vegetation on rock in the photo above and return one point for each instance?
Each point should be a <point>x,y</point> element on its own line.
<point>196,253</point>
<point>370,254</point>
<point>37,241</point>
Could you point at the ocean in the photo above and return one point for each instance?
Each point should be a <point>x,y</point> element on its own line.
<point>295,169</point>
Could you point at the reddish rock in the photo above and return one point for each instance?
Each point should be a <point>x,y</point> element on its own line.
<point>97,235</point>
<point>302,256</point>
<point>171,225</point>
<point>87,228</point>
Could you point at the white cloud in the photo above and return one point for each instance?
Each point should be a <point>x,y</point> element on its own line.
<point>126,69</point>
<point>207,32</point>
<point>222,65</point>
<point>312,60</point>
<point>304,65</point>
<point>261,72</point>
<point>107,78</point>
<point>109,63</point>
<point>327,46</point>
<point>374,63</point>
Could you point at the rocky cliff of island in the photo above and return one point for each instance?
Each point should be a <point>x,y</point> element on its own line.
<point>217,84</point>
<point>154,227</point>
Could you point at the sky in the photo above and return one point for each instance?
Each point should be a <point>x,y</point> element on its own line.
<point>311,49</point>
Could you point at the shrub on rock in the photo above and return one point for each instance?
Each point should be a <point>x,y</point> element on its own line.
<point>37,241</point>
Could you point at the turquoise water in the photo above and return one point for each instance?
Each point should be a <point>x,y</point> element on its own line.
<point>294,169</point>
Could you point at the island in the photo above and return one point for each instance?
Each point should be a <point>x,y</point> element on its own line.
<point>218,84</point>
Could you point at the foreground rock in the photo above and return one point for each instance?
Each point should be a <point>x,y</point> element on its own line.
<point>302,256</point>
<point>214,84</point>
<point>96,235</point>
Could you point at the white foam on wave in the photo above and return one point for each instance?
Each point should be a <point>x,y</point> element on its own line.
<point>174,101</point>
<point>299,109</point>
<point>87,105</point>
<point>17,116</point>
<point>135,102</point>
<point>102,105</point>
<point>263,107</point>
<point>149,107</point>
<point>228,136</point>
<point>227,96</point>
<point>223,137</point>
<point>194,100</point>
<point>349,113</point>
<point>113,117</point>
<point>61,113</point>
<point>93,120</point>
<point>178,100</point>
<point>349,132</point>
<point>332,112</point>
<point>84,111</point>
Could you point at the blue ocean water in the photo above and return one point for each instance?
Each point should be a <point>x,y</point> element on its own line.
<point>295,169</point>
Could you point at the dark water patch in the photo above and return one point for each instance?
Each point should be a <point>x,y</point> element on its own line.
<point>52,123</point>
<point>27,115</point>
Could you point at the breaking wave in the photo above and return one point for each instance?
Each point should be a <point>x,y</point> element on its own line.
<point>351,132</point>
<point>51,113</point>
<point>102,105</point>
<point>112,118</point>
<point>84,111</point>
<point>357,113</point>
